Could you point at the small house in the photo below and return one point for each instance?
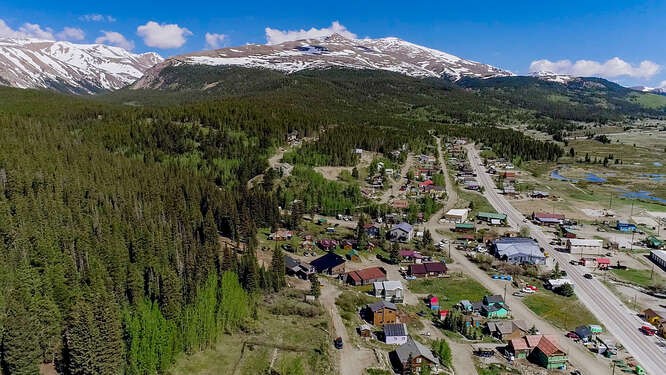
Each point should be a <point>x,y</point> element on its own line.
<point>473,320</point>
<point>417,353</point>
<point>366,276</point>
<point>584,246</point>
<point>371,230</point>
<point>365,330</point>
<point>329,263</point>
<point>401,232</point>
<point>545,218</point>
<point>465,306</point>
<point>294,267</point>
<point>495,311</point>
<point>543,350</point>
<point>412,256</point>
<point>400,204</point>
<point>654,316</point>
<point>464,227</point>
<point>432,269</point>
<point>391,291</point>
<point>281,235</point>
<point>584,332</point>
<point>506,330</point>
<point>353,256</point>
<point>395,333</point>
<point>381,312</point>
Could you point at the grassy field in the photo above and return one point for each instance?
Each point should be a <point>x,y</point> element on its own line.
<point>639,277</point>
<point>296,329</point>
<point>647,100</point>
<point>479,202</point>
<point>495,369</point>
<point>450,290</point>
<point>563,312</point>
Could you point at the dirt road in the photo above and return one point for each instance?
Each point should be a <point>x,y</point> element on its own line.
<point>351,359</point>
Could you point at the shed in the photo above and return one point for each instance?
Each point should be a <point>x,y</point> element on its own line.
<point>584,246</point>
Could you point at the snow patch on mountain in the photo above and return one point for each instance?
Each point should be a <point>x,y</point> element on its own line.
<point>389,54</point>
<point>80,68</point>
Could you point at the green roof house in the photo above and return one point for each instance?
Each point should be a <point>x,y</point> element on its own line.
<point>492,217</point>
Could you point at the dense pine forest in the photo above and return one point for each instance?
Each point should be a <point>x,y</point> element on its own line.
<point>112,208</point>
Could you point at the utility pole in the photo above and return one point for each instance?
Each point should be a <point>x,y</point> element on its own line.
<point>610,202</point>
<point>505,285</point>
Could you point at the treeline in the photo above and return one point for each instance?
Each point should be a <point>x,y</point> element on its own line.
<point>507,143</point>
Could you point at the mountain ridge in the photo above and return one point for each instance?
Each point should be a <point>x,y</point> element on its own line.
<point>70,67</point>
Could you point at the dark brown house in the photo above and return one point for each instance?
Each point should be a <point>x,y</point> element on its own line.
<point>381,312</point>
<point>412,355</point>
<point>434,269</point>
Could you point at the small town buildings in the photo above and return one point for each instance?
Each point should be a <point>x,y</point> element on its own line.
<point>492,218</point>
<point>603,263</point>
<point>401,232</point>
<point>584,246</point>
<point>327,244</point>
<point>411,256</point>
<point>381,312</point>
<point>432,269</point>
<point>464,227</point>
<point>400,204</point>
<point>506,330</point>
<point>391,290</point>
<point>465,306</point>
<point>543,350</point>
<point>281,235</point>
<point>294,267</point>
<point>472,185</point>
<point>654,316</point>
<point>659,257</point>
<point>419,355</point>
<point>353,256</point>
<point>366,276</point>
<point>473,320</point>
<point>518,250</point>
<point>395,333</point>
<point>329,263</point>
<point>494,312</point>
<point>365,330</point>
<point>545,218</point>
<point>457,215</point>
<point>624,226</point>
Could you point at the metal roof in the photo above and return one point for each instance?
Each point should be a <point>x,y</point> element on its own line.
<point>395,329</point>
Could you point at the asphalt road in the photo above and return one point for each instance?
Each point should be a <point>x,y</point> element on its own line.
<point>618,319</point>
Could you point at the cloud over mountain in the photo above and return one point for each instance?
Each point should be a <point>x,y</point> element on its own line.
<point>274,36</point>
<point>164,36</point>
<point>612,68</point>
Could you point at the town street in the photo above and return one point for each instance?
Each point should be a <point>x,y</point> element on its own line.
<point>618,319</point>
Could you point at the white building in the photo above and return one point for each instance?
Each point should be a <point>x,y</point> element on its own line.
<point>584,246</point>
<point>391,291</point>
<point>395,333</point>
<point>457,215</point>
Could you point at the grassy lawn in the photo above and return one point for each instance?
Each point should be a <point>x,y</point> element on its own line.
<point>495,369</point>
<point>450,290</point>
<point>563,312</point>
<point>638,277</point>
<point>297,329</point>
<point>479,202</point>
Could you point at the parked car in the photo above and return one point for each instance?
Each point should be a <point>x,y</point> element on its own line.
<point>527,290</point>
<point>410,277</point>
<point>648,331</point>
<point>573,336</point>
<point>288,247</point>
<point>338,343</point>
<point>518,294</point>
<point>588,276</point>
<point>573,262</point>
<point>532,287</point>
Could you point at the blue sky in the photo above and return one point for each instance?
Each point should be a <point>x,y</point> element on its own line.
<point>619,40</point>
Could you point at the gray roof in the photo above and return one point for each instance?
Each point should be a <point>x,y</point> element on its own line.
<point>395,329</point>
<point>381,304</point>
<point>495,298</point>
<point>415,349</point>
<point>291,263</point>
<point>404,226</point>
<point>512,246</point>
<point>506,327</point>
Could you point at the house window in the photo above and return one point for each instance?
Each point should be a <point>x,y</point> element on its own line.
<point>418,360</point>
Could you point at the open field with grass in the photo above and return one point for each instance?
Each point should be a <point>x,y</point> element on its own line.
<point>450,290</point>
<point>287,330</point>
<point>644,278</point>
<point>563,312</point>
<point>478,201</point>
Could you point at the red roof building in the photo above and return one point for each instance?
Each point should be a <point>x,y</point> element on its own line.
<point>366,276</point>
<point>434,269</point>
<point>603,263</point>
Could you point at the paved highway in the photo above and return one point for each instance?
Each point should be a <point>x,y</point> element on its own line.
<point>618,319</point>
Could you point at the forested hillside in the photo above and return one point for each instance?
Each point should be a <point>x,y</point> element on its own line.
<point>110,214</point>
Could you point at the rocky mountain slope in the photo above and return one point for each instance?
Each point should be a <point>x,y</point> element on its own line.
<point>70,67</point>
<point>335,51</point>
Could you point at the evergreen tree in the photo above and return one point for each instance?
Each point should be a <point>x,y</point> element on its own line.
<point>315,288</point>
<point>278,268</point>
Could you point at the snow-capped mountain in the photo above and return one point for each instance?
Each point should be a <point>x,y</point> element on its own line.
<point>79,68</point>
<point>552,77</point>
<point>652,90</point>
<point>390,54</point>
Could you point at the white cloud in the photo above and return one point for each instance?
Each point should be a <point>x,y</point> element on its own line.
<point>274,36</point>
<point>215,41</point>
<point>615,67</point>
<point>71,33</point>
<point>33,30</point>
<point>95,17</point>
<point>115,39</point>
<point>163,35</point>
